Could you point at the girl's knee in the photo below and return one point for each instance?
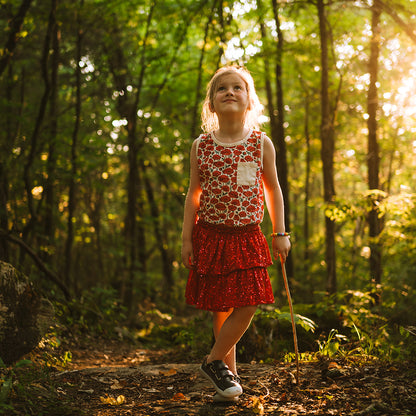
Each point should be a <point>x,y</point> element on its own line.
<point>247,310</point>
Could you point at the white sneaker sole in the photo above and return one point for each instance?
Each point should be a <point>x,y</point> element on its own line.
<point>219,398</point>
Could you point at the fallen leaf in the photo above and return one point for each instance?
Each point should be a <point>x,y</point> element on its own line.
<point>179,397</point>
<point>258,407</point>
<point>113,401</point>
<point>333,364</point>
<point>116,385</point>
<point>168,373</point>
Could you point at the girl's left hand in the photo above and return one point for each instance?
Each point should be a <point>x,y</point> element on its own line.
<point>281,247</point>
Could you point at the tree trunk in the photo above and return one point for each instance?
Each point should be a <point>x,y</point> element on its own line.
<point>27,176</point>
<point>74,162</point>
<point>49,189</point>
<point>327,151</point>
<point>373,158</point>
<point>279,138</point>
<point>161,241</point>
<point>198,95</point>
<point>14,29</point>
<point>5,151</point>
<point>307,185</point>
<point>275,107</point>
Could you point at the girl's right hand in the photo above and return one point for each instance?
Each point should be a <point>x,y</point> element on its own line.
<point>187,255</point>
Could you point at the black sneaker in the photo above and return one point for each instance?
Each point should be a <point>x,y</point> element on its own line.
<point>223,379</point>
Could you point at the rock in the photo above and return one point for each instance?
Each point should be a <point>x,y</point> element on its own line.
<point>24,315</point>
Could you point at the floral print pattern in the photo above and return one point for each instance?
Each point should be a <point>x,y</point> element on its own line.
<point>231,180</point>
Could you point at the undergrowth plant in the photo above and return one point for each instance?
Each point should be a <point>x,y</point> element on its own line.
<point>26,388</point>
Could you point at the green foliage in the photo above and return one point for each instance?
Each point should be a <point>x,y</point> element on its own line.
<point>191,338</point>
<point>27,388</point>
<point>50,351</point>
<point>331,346</point>
<point>98,312</point>
<point>366,328</point>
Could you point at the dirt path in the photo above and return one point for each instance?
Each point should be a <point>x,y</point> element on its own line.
<point>120,380</point>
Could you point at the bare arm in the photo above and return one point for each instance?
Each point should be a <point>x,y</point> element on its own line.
<point>190,210</point>
<point>274,200</point>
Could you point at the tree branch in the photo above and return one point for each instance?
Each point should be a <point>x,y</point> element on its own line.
<point>41,265</point>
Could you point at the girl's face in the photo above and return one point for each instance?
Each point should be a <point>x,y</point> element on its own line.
<point>230,95</point>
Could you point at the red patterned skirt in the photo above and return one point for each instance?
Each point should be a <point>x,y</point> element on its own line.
<point>230,267</point>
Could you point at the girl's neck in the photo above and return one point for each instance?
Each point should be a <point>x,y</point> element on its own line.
<point>231,132</point>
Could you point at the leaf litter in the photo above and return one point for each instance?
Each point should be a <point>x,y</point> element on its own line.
<point>162,383</point>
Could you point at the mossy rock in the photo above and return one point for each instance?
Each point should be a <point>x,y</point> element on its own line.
<point>25,315</point>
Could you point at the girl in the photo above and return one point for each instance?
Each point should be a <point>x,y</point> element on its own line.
<point>222,243</point>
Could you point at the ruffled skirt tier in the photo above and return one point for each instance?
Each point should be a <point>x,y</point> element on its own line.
<point>230,267</point>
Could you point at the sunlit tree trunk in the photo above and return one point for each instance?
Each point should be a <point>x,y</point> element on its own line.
<point>327,151</point>
<point>373,158</point>
<point>279,136</point>
<point>307,184</point>
<point>275,106</point>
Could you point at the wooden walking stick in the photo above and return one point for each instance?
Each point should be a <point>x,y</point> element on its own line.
<point>292,317</point>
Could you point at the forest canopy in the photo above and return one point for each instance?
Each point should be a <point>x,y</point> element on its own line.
<point>101,100</point>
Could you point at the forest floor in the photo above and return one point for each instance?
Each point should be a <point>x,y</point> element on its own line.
<point>114,378</point>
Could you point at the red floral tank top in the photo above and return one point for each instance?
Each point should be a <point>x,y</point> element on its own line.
<point>231,180</point>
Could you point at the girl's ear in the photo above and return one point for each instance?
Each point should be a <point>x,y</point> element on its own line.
<point>249,105</point>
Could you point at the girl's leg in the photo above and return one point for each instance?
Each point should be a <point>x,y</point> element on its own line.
<point>230,333</point>
<point>218,321</point>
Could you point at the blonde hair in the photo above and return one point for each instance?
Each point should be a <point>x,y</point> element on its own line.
<point>254,109</point>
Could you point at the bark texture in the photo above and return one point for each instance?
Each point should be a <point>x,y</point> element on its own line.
<point>24,315</point>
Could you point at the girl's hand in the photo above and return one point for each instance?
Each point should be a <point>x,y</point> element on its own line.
<point>281,247</point>
<point>187,254</point>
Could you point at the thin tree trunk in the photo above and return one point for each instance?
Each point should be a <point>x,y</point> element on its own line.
<point>221,34</point>
<point>281,150</point>
<point>135,231</point>
<point>14,29</point>
<point>373,158</point>
<point>161,242</point>
<point>307,185</point>
<point>5,150</point>
<point>49,191</point>
<point>74,162</point>
<point>327,151</point>
<point>275,107</point>
<point>39,120</point>
<point>198,93</point>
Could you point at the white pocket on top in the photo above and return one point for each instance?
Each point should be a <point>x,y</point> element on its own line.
<point>246,173</point>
